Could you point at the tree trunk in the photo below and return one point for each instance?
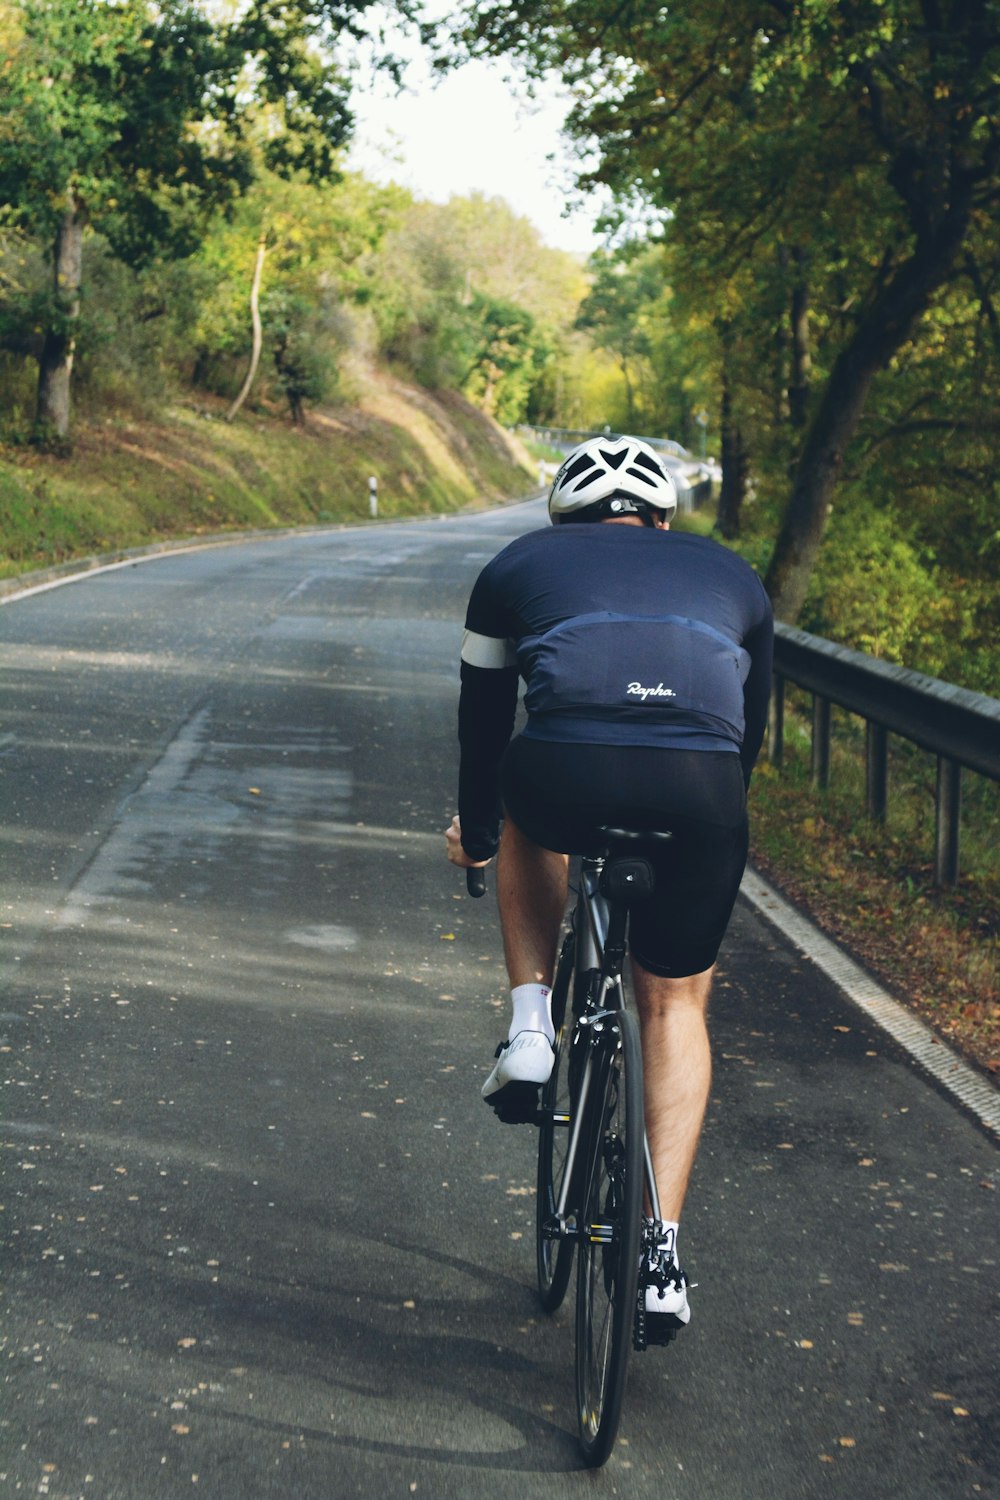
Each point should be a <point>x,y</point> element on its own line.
<point>734,459</point>
<point>258,334</point>
<point>629,395</point>
<point>798,389</point>
<point>779,395</point>
<point>55,365</point>
<point>876,339</point>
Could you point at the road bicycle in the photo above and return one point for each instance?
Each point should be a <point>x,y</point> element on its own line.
<point>595,1173</point>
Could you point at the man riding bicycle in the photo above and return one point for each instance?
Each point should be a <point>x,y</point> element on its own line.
<point>646,657</point>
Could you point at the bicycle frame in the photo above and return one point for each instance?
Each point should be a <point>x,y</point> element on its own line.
<point>600,948</point>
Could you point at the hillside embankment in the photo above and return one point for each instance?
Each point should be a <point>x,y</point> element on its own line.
<point>130,482</point>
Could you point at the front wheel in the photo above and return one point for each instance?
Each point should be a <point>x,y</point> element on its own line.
<point>555,1256</point>
<point>608,1261</point>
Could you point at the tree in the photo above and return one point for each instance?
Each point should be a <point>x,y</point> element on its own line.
<point>308,248</point>
<point>465,294</point>
<point>867,130</point>
<point>612,312</point>
<point>131,118</point>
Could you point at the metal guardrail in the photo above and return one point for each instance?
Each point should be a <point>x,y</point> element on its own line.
<point>960,727</point>
<point>570,436</point>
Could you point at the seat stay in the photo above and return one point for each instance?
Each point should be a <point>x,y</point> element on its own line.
<point>578,1112</point>
<point>654,1197</point>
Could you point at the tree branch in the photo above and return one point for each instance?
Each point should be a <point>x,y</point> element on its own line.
<point>985,301</point>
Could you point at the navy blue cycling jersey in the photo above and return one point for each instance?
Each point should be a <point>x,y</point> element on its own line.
<point>623,635</point>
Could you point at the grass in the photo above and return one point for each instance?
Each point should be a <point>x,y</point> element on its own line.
<point>870,885</point>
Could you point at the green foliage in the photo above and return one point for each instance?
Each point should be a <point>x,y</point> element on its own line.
<point>303,362</point>
<point>319,242</point>
<point>873,590</point>
<point>508,355</point>
<point>141,120</point>
<point>465,294</point>
<point>97,111</point>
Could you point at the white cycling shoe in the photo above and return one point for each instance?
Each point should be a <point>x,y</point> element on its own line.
<point>523,1064</point>
<point>667,1295</point>
<point>665,1290</point>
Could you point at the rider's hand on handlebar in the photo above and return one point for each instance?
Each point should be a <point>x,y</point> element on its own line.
<point>457,855</point>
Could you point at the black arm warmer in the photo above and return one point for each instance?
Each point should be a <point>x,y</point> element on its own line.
<point>486,711</point>
<point>757,692</point>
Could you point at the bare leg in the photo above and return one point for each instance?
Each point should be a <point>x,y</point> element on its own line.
<point>531,891</point>
<point>677,1068</point>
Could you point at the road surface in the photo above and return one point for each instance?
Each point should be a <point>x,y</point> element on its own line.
<point>261,1237</point>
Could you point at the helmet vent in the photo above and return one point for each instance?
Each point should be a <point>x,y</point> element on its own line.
<point>647,463</point>
<point>582,465</point>
<point>614,460</point>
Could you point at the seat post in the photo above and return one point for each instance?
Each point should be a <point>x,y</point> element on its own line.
<point>615,945</point>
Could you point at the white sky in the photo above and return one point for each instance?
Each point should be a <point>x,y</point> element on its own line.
<point>473,132</point>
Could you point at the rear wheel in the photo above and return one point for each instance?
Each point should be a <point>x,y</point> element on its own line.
<point>555,1256</point>
<point>608,1261</point>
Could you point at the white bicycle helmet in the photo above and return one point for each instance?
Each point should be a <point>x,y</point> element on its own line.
<point>608,476</point>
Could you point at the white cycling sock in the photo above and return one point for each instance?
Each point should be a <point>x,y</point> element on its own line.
<point>532,1010</point>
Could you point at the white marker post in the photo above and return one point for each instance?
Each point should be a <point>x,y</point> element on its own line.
<point>373,497</point>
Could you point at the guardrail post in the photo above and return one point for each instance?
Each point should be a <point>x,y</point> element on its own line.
<point>821,742</point>
<point>876,770</point>
<point>776,723</point>
<point>949,811</point>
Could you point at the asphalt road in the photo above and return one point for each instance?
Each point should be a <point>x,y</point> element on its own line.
<point>260,1235</point>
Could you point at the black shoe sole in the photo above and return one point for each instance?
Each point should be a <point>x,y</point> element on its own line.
<point>662,1328</point>
<point>516,1103</point>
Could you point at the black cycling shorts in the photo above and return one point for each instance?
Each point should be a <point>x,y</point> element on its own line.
<point>560,795</point>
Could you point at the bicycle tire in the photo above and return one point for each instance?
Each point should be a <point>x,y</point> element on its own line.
<point>607,1272</point>
<point>555,1256</point>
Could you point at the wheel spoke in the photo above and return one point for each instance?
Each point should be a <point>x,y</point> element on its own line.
<point>555,1256</point>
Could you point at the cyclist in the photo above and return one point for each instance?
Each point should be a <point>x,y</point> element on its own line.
<point>646,657</point>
